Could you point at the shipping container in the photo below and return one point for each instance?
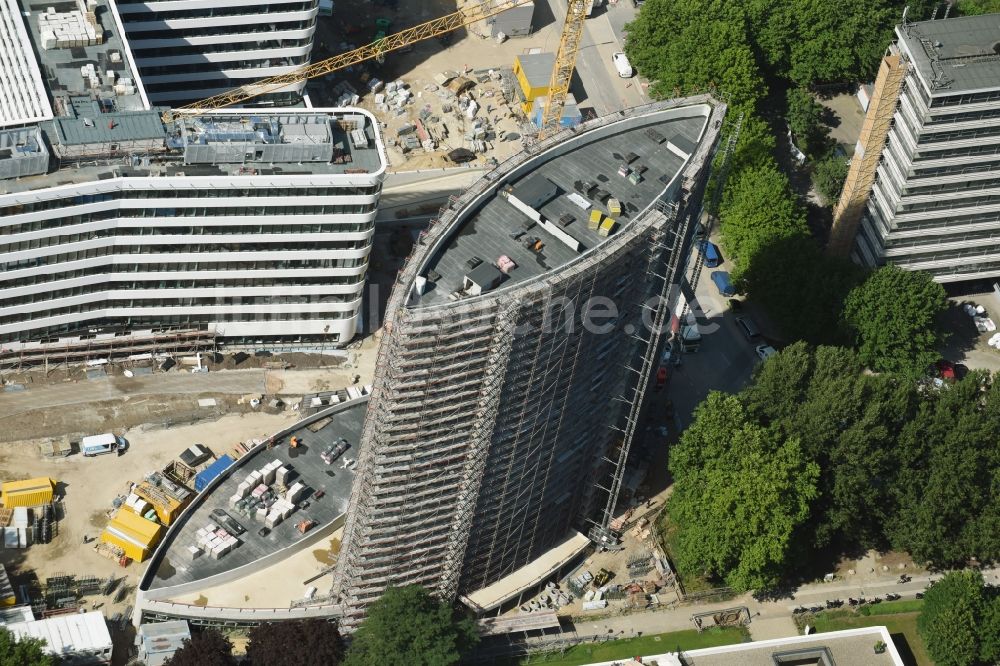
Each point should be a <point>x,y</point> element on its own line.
<point>31,492</point>
<point>208,474</point>
<point>135,535</point>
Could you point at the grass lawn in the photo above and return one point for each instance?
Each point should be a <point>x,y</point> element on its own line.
<point>900,617</point>
<point>644,645</point>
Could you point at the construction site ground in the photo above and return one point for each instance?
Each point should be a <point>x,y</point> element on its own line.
<point>86,488</point>
<point>467,51</point>
<point>66,403</point>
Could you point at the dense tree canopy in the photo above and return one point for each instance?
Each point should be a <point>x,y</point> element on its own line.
<point>802,288</point>
<point>757,210</point>
<point>958,620</point>
<point>206,648</point>
<point>894,318</point>
<point>740,492</point>
<point>407,626</point>
<point>682,45</point>
<point>22,652</point>
<point>901,464</point>
<point>299,643</point>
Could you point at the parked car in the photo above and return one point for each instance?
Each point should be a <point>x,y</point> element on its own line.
<point>722,283</point>
<point>711,253</point>
<point>748,327</point>
<point>622,64</point>
<point>765,352</point>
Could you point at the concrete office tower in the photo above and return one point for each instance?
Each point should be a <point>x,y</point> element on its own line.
<point>923,190</point>
<point>496,405</point>
<point>188,51</point>
<point>122,235</point>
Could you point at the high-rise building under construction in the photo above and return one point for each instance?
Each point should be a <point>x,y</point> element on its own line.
<point>518,345</point>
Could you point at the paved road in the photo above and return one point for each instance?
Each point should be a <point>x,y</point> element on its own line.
<point>602,88</point>
<point>71,393</point>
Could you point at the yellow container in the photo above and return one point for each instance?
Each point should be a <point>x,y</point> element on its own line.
<point>607,227</point>
<point>614,207</point>
<point>166,507</point>
<point>595,219</point>
<point>135,535</point>
<point>30,492</point>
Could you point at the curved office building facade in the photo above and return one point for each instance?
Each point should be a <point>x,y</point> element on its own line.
<point>256,230</point>
<point>519,340</point>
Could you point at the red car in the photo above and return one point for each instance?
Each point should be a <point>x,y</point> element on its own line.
<point>946,370</point>
<point>661,378</point>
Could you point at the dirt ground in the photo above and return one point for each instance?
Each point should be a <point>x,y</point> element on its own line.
<point>468,51</point>
<point>88,485</point>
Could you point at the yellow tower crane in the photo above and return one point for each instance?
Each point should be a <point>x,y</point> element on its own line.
<point>562,72</point>
<point>377,49</point>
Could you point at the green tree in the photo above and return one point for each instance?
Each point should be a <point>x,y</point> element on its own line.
<point>946,508</point>
<point>22,652</point>
<point>206,648</point>
<point>828,176</point>
<point>296,643</point>
<point>894,318</point>
<point>758,209</point>
<point>805,119</point>
<point>950,621</point>
<point>976,7</point>
<point>802,288</point>
<point>740,493</point>
<point>683,45</point>
<point>834,42</point>
<point>409,627</point>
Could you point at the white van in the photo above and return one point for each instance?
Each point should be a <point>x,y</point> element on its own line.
<point>622,64</point>
<point>95,445</point>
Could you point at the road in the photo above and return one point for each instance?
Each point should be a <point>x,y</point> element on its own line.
<point>173,383</point>
<point>724,361</point>
<point>602,88</point>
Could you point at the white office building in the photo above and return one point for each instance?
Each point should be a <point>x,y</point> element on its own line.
<point>248,228</point>
<point>934,203</point>
<point>188,50</point>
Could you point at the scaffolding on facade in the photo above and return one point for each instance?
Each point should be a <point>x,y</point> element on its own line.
<point>118,348</point>
<point>867,154</point>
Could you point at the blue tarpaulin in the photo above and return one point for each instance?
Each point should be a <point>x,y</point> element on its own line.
<point>206,475</point>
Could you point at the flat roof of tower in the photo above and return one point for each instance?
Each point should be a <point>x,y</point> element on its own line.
<point>22,89</point>
<point>958,54</point>
<point>173,564</point>
<point>545,234</point>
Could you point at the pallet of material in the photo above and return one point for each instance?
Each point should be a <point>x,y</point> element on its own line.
<point>316,426</point>
<point>5,517</point>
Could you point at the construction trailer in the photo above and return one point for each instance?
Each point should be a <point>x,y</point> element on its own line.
<point>532,72</point>
<point>29,493</point>
<point>133,534</point>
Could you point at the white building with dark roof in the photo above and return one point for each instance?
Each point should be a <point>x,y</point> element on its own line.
<point>116,227</point>
<point>924,187</point>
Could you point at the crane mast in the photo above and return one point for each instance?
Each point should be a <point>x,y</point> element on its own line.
<point>562,72</point>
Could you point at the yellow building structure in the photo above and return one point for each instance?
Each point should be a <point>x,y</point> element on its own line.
<point>533,72</point>
<point>135,535</point>
<point>30,492</point>
<point>167,507</point>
